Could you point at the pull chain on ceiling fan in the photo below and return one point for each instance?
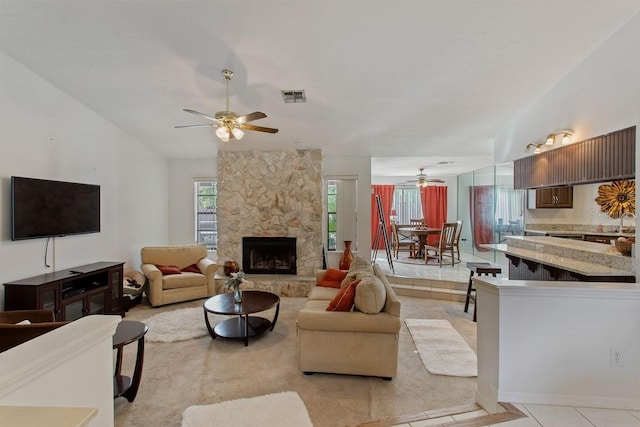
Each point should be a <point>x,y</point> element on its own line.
<point>229,124</point>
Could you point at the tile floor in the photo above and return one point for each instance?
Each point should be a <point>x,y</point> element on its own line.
<point>537,415</point>
<point>544,416</point>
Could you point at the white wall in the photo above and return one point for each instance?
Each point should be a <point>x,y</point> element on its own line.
<point>46,134</point>
<point>360,167</point>
<point>599,96</point>
<point>585,211</point>
<point>550,343</point>
<point>181,207</point>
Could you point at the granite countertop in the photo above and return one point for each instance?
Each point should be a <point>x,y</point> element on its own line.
<point>594,287</point>
<point>575,233</point>
<point>586,258</point>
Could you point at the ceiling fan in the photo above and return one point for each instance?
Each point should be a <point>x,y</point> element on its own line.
<point>423,181</point>
<point>229,124</point>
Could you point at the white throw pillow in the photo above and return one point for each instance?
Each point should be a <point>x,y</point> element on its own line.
<point>24,322</point>
<point>370,294</point>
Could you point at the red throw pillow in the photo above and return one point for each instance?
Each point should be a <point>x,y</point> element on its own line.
<point>332,278</point>
<point>333,274</point>
<point>168,269</point>
<point>191,269</point>
<point>343,301</point>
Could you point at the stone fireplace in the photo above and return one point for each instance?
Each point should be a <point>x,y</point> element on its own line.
<point>271,194</point>
<point>269,255</point>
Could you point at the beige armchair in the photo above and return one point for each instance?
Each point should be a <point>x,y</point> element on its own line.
<point>184,286</point>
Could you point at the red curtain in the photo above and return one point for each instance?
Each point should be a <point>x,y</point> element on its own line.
<point>386,197</point>
<point>481,208</point>
<point>434,208</point>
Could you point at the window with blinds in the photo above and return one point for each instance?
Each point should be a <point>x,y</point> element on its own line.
<point>206,223</point>
<point>407,204</point>
<point>341,212</point>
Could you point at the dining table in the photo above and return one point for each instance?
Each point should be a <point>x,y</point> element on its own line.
<point>421,232</point>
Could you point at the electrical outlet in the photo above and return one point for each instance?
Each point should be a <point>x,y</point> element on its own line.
<point>616,359</point>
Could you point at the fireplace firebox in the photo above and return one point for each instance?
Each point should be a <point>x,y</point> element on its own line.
<point>269,255</point>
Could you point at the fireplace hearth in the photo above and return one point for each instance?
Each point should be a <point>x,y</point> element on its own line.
<point>269,255</point>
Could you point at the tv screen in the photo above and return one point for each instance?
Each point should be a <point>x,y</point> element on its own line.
<point>45,208</point>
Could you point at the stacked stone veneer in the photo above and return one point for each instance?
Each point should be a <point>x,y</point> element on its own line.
<point>271,193</point>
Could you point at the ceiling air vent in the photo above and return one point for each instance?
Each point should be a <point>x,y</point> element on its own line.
<point>294,96</point>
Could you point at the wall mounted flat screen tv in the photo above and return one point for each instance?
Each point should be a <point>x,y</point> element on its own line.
<point>45,208</point>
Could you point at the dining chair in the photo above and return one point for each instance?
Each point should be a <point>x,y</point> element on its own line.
<point>401,243</point>
<point>419,222</point>
<point>444,245</point>
<point>456,243</point>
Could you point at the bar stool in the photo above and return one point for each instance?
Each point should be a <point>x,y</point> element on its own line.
<point>478,268</point>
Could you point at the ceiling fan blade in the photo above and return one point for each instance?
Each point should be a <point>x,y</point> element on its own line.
<point>196,126</point>
<point>250,117</point>
<point>200,114</point>
<point>258,128</point>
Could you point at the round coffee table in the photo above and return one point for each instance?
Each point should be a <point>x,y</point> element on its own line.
<point>128,331</point>
<point>243,326</point>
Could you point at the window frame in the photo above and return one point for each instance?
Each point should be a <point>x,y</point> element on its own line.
<point>200,232</point>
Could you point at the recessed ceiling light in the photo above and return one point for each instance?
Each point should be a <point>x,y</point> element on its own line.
<point>445,163</point>
<point>294,96</point>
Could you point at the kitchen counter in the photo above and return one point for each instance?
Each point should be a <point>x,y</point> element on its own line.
<point>576,326</point>
<point>584,260</point>
<point>577,233</point>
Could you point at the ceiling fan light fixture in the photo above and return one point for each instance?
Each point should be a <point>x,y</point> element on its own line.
<point>223,133</point>
<point>237,133</point>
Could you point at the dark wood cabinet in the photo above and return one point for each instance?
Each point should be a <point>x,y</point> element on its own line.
<point>554,197</point>
<point>603,158</point>
<point>71,293</point>
<point>527,269</point>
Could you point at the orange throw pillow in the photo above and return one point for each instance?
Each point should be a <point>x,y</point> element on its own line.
<point>332,278</point>
<point>168,269</point>
<point>191,269</point>
<point>343,301</point>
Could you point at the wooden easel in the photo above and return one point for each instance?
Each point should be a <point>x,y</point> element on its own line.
<point>382,231</point>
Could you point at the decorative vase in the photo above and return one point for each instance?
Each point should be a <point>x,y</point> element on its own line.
<point>347,256</point>
<point>237,294</point>
<point>231,267</point>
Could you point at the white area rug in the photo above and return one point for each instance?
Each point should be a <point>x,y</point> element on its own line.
<point>442,349</point>
<point>284,409</point>
<point>179,325</point>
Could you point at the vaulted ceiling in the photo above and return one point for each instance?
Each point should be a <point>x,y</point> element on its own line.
<point>411,82</point>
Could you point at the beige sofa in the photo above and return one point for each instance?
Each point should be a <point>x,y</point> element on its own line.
<point>351,342</point>
<point>168,289</point>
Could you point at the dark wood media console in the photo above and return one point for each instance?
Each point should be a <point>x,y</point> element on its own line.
<point>71,293</point>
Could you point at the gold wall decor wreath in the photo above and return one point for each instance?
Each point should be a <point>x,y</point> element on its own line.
<point>618,198</point>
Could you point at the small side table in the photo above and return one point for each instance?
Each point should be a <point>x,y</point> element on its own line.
<point>127,332</point>
<point>479,268</point>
